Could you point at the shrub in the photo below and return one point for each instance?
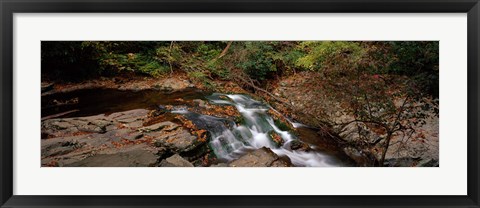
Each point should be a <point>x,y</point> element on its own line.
<point>325,55</point>
<point>259,63</point>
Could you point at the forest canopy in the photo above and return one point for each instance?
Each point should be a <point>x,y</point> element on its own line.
<point>259,60</point>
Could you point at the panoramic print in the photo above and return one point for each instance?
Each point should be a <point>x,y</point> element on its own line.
<point>228,104</point>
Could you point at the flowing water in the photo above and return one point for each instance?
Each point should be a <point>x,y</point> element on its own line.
<point>228,140</point>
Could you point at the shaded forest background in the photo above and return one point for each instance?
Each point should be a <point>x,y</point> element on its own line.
<point>364,94</point>
<point>261,61</point>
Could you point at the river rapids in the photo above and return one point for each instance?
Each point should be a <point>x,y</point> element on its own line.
<point>229,141</point>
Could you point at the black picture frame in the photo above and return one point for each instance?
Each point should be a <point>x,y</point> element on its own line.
<point>9,7</point>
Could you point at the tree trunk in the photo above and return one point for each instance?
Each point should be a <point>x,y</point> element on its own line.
<point>225,50</point>
<point>170,54</point>
<point>262,90</point>
<point>385,149</point>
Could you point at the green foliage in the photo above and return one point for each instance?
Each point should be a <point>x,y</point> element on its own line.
<point>281,125</point>
<point>208,52</point>
<point>290,58</point>
<point>132,62</point>
<point>414,57</point>
<point>259,62</point>
<point>323,54</point>
<point>154,68</point>
<point>197,75</point>
<point>170,55</point>
<point>239,120</point>
<point>418,60</point>
<point>218,69</point>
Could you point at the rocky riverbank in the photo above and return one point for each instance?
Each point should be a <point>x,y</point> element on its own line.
<point>153,136</point>
<point>134,83</point>
<point>172,83</point>
<point>129,138</point>
<point>301,91</point>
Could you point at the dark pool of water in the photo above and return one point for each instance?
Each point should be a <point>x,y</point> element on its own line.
<point>322,144</point>
<point>99,101</point>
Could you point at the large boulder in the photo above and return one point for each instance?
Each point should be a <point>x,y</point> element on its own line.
<point>172,136</point>
<point>63,127</point>
<point>361,158</point>
<point>175,161</point>
<point>263,157</point>
<point>172,84</point>
<point>134,158</point>
<point>115,140</point>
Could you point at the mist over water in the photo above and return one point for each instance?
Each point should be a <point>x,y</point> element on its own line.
<point>229,141</point>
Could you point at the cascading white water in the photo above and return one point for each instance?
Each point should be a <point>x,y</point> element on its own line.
<point>231,142</point>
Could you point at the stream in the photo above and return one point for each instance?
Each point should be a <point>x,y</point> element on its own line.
<point>228,139</point>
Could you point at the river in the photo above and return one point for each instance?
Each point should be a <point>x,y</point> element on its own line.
<point>229,140</point>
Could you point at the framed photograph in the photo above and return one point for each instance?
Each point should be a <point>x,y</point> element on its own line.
<point>267,103</point>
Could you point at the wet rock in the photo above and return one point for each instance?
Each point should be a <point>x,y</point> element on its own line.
<point>159,110</point>
<point>298,145</point>
<point>61,148</point>
<point>70,126</point>
<point>200,103</point>
<point>120,134</point>
<point>135,124</point>
<point>167,125</point>
<point>356,130</point>
<point>280,163</point>
<point>57,127</point>
<point>128,116</point>
<point>263,157</point>
<point>276,138</point>
<point>401,162</point>
<point>360,157</point>
<point>90,141</point>
<point>210,123</point>
<point>93,124</point>
<point>424,144</point>
<point>134,136</point>
<point>175,138</point>
<point>133,158</point>
<point>175,161</point>
<point>429,163</point>
<point>173,84</point>
<point>179,140</point>
<point>163,152</point>
<point>46,87</point>
<point>220,165</point>
<point>65,102</point>
<point>91,128</point>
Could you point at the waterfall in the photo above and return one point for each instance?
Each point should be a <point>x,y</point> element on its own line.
<point>229,141</point>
